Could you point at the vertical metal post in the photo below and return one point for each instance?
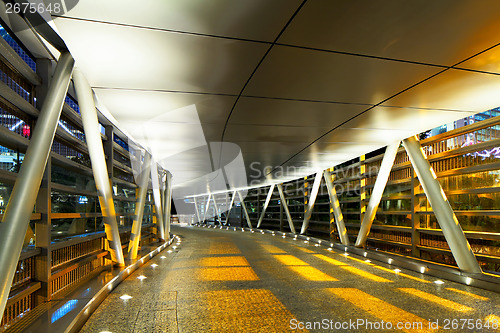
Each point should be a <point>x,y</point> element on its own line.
<point>135,233</point>
<point>230,207</point>
<point>96,152</point>
<point>378,190</point>
<point>285,207</point>
<point>197,210</point>
<point>43,262</point>
<point>445,216</point>
<point>415,218</point>
<point>155,183</point>
<point>22,199</point>
<point>268,198</point>
<point>245,210</point>
<point>168,205</point>
<point>335,207</point>
<point>312,201</point>
<point>217,214</point>
<point>207,206</point>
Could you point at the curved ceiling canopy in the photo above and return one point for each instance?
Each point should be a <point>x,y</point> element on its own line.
<point>276,90</point>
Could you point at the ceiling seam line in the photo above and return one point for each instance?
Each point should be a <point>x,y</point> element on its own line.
<point>378,104</point>
<point>135,26</point>
<point>258,65</point>
<point>354,117</point>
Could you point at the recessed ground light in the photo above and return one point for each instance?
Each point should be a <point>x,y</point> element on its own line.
<point>174,247</point>
<point>169,251</point>
<point>306,242</point>
<point>439,282</point>
<point>253,231</point>
<point>368,260</point>
<point>316,245</point>
<point>397,270</point>
<point>163,257</point>
<point>283,236</point>
<point>141,277</point>
<point>346,254</point>
<point>125,297</point>
<point>105,332</point>
<point>154,265</point>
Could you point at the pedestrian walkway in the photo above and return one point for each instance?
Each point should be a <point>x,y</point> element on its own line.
<point>218,280</point>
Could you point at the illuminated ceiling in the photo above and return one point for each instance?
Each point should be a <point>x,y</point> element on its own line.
<point>297,86</point>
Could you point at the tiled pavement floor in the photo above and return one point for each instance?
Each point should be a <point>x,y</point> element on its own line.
<point>226,281</point>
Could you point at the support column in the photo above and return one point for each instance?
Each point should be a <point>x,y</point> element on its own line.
<point>285,207</point>
<point>230,207</point>
<point>207,206</point>
<point>168,204</point>
<point>22,199</point>
<point>312,201</point>
<point>245,210</point>
<point>335,207</point>
<point>266,203</point>
<point>445,216</point>
<point>155,182</point>
<point>217,215</point>
<point>135,233</point>
<point>378,190</point>
<point>99,169</point>
<point>197,210</point>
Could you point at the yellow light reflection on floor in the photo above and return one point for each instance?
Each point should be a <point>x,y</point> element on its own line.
<point>306,250</point>
<point>361,261</point>
<point>330,260</point>
<point>401,274</point>
<point>303,268</point>
<point>364,274</point>
<point>223,248</point>
<point>381,309</point>
<point>438,300</point>
<point>289,260</point>
<point>388,270</point>
<point>311,273</point>
<point>248,310</point>
<point>227,274</point>
<point>463,292</point>
<point>272,248</point>
<point>353,270</point>
<point>224,261</point>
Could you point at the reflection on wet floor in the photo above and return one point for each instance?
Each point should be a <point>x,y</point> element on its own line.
<point>226,281</point>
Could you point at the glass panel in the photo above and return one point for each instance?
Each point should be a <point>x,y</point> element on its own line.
<point>63,228</point>
<point>74,203</point>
